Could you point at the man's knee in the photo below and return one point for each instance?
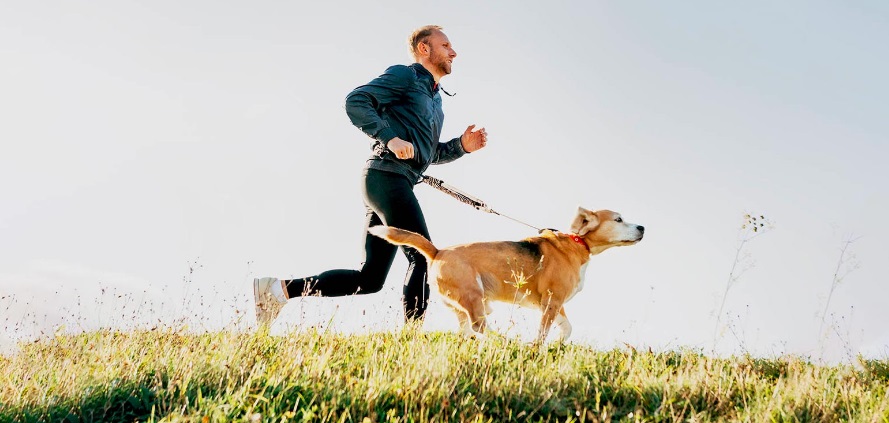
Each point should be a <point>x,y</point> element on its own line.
<point>372,278</point>
<point>372,284</point>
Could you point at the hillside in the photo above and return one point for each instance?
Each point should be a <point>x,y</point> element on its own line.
<point>414,376</point>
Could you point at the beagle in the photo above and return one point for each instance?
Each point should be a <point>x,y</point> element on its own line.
<point>542,272</point>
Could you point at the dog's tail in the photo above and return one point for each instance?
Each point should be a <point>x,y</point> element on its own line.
<point>403,237</point>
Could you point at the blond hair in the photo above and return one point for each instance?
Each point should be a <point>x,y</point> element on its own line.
<point>419,36</point>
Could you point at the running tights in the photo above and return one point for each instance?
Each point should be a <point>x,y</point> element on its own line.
<point>390,200</point>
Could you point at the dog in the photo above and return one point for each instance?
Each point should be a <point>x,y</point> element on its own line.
<point>542,272</point>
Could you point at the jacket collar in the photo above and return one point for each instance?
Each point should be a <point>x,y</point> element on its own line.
<point>425,74</point>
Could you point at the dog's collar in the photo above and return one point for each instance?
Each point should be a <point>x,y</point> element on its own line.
<point>579,240</point>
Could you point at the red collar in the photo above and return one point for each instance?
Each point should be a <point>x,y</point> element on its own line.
<point>579,240</point>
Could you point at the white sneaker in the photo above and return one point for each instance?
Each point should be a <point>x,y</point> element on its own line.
<point>268,305</point>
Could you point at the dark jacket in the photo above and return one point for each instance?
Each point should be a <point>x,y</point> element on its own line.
<point>403,102</point>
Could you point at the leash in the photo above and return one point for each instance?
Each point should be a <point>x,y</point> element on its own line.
<point>468,199</point>
<point>459,195</point>
<point>475,202</point>
<point>480,205</point>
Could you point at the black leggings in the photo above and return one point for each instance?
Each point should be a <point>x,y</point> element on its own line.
<point>390,200</point>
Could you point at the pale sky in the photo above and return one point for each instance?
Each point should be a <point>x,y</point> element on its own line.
<point>144,139</point>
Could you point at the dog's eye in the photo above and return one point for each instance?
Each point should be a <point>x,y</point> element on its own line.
<point>619,220</point>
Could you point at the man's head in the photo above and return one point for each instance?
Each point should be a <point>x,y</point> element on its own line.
<point>432,49</point>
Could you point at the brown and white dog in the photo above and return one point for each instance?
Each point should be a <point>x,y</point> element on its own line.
<point>541,272</point>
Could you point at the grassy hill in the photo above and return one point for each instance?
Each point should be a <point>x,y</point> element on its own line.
<point>414,376</point>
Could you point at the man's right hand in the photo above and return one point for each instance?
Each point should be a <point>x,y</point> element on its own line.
<point>401,148</point>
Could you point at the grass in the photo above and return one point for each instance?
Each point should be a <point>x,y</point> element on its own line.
<point>410,375</point>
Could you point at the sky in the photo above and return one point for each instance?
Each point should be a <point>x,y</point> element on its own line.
<point>157,156</point>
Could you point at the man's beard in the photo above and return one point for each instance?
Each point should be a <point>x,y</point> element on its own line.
<point>440,62</point>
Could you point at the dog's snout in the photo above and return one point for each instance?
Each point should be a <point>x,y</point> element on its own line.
<point>640,228</point>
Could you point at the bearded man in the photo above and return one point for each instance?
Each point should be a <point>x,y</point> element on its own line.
<point>401,111</point>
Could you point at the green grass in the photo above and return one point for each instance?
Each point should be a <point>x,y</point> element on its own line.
<point>414,376</point>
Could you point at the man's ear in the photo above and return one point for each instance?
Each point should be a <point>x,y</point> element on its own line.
<point>423,48</point>
<point>584,222</point>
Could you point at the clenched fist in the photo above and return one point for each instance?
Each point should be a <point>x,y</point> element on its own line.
<point>401,148</point>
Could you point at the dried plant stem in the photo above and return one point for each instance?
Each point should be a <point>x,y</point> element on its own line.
<point>754,226</point>
<point>728,285</point>
<point>835,282</point>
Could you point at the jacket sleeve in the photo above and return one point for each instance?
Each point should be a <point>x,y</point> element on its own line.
<point>365,103</point>
<point>447,152</point>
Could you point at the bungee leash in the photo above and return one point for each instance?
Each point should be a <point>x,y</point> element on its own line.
<point>467,199</point>
<point>460,196</point>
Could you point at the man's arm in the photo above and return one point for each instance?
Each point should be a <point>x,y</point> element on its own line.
<point>447,152</point>
<point>467,143</point>
<point>363,104</point>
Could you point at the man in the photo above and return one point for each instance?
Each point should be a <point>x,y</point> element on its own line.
<point>401,111</point>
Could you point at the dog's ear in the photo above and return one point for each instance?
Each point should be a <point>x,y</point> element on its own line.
<point>585,221</point>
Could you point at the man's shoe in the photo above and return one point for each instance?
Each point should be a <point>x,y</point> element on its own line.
<point>267,304</point>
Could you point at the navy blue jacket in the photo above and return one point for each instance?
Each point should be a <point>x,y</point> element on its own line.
<point>403,102</point>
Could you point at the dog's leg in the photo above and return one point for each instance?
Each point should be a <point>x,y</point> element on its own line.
<point>551,307</point>
<point>463,318</point>
<point>474,305</point>
<point>563,325</point>
<point>465,297</point>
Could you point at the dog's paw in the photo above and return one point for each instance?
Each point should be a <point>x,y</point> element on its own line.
<point>471,334</point>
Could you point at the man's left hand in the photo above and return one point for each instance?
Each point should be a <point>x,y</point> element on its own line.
<point>474,140</point>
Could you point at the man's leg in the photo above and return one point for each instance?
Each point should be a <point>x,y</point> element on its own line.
<point>391,201</point>
<point>392,197</point>
<point>378,257</point>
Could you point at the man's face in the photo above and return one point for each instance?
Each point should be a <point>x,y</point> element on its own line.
<point>441,54</point>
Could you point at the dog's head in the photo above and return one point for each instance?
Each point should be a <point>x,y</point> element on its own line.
<point>604,229</point>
